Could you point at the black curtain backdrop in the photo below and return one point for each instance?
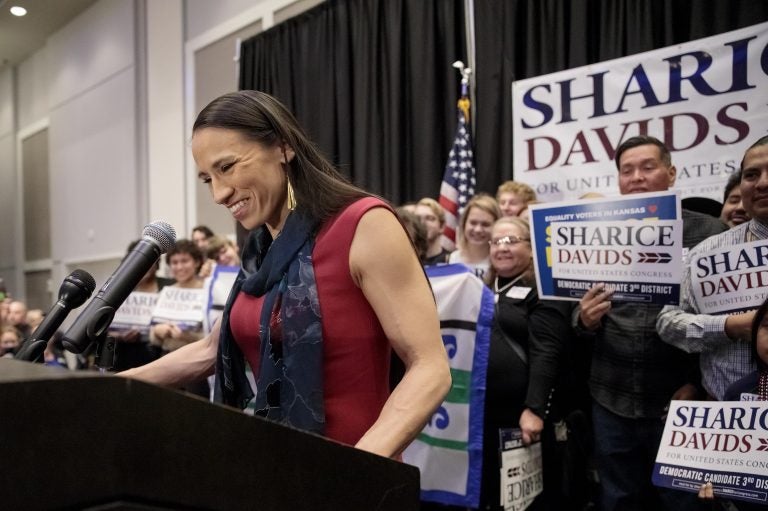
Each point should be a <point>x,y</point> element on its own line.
<point>517,39</point>
<point>372,83</point>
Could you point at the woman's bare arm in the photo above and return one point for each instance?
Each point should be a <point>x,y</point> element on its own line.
<point>386,269</point>
<point>189,363</point>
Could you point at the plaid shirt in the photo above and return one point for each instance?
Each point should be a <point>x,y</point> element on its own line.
<point>634,373</point>
<point>723,361</point>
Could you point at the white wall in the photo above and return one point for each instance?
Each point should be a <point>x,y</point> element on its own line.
<point>166,137</point>
<point>89,50</point>
<point>114,86</point>
<point>93,172</point>
<point>32,90</point>
<point>92,133</point>
<point>7,181</point>
<point>203,15</point>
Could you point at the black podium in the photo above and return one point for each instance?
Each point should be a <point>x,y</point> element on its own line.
<point>78,440</point>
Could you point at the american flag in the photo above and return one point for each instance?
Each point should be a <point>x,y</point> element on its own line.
<point>459,179</point>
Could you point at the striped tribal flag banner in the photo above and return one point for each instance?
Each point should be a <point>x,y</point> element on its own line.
<point>458,184</point>
<point>449,450</point>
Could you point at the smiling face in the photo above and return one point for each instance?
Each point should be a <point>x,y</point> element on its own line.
<point>511,204</point>
<point>512,258</point>
<point>754,183</point>
<point>641,169</point>
<point>477,228</point>
<point>246,177</point>
<point>733,212</point>
<point>228,255</point>
<point>184,268</point>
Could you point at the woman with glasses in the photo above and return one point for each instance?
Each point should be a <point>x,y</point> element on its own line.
<point>525,355</point>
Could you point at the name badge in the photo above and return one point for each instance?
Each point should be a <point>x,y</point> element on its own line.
<point>748,396</point>
<point>518,292</point>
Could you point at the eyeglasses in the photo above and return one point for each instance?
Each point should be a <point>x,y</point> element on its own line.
<point>507,240</point>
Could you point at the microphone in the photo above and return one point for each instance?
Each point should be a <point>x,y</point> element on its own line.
<point>74,291</point>
<point>157,238</point>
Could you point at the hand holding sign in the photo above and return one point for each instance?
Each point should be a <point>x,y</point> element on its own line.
<point>167,331</point>
<point>706,491</point>
<point>594,305</point>
<point>531,426</point>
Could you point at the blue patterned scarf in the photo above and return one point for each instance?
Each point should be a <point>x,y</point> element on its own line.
<point>289,379</point>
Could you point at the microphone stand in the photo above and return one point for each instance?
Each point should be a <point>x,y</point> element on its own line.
<point>106,351</point>
<point>32,350</point>
<point>74,291</point>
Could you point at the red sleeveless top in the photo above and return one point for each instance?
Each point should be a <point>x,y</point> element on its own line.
<point>356,352</point>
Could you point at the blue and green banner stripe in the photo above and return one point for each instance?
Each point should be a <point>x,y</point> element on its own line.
<point>449,449</point>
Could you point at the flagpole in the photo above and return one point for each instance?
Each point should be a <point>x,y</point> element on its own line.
<point>458,185</point>
<point>465,72</point>
<point>469,9</point>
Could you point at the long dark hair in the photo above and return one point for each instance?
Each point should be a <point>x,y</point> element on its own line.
<point>320,190</point>
<point>756,322</point>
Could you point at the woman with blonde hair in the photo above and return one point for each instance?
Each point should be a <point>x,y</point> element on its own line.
<point>475,224</point>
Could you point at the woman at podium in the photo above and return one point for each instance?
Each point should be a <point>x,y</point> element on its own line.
<point>329,285</point>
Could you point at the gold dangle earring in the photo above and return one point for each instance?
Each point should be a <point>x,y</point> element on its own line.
<point>291,198</point>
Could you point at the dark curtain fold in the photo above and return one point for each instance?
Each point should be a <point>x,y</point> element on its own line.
<point>372,83</point>
<point>517,39</point>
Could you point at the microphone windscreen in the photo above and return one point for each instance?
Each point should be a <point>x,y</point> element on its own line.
<point>85,279</point>
<point>162,233</point>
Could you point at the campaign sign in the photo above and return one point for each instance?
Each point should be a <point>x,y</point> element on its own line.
<point>705,99</point>
<point>731,279</point>
<point>522,477</point>
<point>136,312</point>
<point>181,306</point>
<point>218,287</point>
<point>632,243</point>
<point>725,443</point>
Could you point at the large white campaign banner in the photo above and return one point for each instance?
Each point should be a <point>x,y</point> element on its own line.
<point>704,99</point>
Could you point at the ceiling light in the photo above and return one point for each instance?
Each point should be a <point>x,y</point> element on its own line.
<point>18,11</point>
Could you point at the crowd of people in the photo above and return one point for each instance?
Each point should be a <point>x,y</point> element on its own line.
<point>17,322</point>
<point>189,263</point>
<point>618,363</point>
<point>330,285</point>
